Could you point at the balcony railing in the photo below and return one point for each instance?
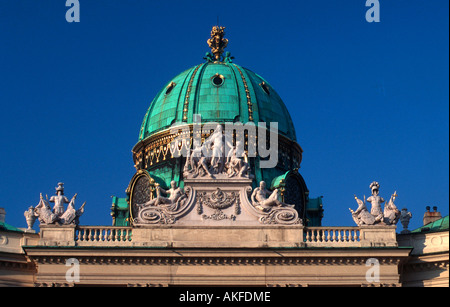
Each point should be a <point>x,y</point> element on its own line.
<point>102,235</point>
<point>364,236</point>
<point>331,236</point>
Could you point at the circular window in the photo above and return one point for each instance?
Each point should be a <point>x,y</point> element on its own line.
<point>217,80</point>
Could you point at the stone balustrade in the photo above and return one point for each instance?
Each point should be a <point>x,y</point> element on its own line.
<point>332,236</point>
<point>71,235</point>
<point>279,236</point>
<point>362,236</point>
<point>102,235</point>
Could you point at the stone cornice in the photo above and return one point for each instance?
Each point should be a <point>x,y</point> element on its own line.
<point>215,257</point>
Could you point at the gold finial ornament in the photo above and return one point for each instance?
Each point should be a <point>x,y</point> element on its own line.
<point>217,43</point>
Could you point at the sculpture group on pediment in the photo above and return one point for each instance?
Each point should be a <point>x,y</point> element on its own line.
<point>236,165</point>
<point>217,157</point>
<point>376,216</point>
<point>58,215</point>
<point>217,178</point>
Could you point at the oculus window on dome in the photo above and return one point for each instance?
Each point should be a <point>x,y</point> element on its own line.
<point>217,80</point>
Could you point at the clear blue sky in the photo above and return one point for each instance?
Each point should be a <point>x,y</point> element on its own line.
<point>370,101</point>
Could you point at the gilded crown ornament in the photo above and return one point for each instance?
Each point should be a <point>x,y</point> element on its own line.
<point>217,43</point>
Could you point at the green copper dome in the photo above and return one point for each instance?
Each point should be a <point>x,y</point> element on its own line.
<point>220,92</point>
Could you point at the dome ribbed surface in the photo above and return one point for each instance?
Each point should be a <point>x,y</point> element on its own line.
<point>219,92</point>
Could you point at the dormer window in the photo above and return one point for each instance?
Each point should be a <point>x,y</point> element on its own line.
<point>265,87</point>
<point>170,87</point>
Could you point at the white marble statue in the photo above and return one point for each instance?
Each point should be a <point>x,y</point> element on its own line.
<point>391,213</point>
<point>264,199</point>
<point>59,215</point>
<point>175,193</point>
<point>44,212</point>
<point>210,159</point>
<point>193,158</point>
<point>389,216</point>
<point>70,216</point>
<point>197,163</point>
<point>376,201</point>
<point>59,199</point>
<point>236,164</point>
<point>361,215</point>
<point>216,142</point>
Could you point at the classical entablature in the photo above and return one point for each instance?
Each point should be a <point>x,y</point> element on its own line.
<point>176,256</point>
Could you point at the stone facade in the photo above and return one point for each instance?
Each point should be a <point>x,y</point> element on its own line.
<point>16,268</point>
<point>218,256</point>
<point>221,255</point>
<point>428,262</point>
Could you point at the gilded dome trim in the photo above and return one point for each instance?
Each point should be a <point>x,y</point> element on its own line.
<point>188,93</point>
<point>247,93</point>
